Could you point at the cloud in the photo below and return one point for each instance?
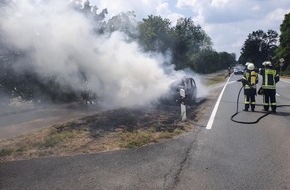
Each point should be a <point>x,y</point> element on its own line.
<point>163,9</point>
<point>142,8</point>
<point>276,15</point>
<point>219,3</point>
<point>224,11</point>
<point>187,3</point>
<point>229,22</point>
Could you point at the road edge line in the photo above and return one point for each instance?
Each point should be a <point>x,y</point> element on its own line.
<point>211,119</point>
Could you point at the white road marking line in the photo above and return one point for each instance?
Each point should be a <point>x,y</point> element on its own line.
<point>211,119</point>
<point>277,94</point>
<point>285,81</point>
<point>232,82</point>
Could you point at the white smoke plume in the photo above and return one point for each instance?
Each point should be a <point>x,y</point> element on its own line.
<point>60,42</point>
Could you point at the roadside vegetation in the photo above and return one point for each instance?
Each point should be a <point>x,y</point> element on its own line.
<point>215,80</point>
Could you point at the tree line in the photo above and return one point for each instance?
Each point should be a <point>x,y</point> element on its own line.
<point>187,42</point>
<point>262,46</point>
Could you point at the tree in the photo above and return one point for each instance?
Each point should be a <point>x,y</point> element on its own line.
<point>206,61</point>
<point>259,46</point>
<point>284,48</point>
<point>189,39</point>
<point>155,34</point>
<point>226,60</point>
<point>124,22</point>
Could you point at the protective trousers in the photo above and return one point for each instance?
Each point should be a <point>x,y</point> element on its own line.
<point>269,94</point>
<point>250,98</point>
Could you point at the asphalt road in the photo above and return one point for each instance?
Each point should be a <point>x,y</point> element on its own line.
<point>238,156</point>
<point>227,156</point>
<point>17,120</point>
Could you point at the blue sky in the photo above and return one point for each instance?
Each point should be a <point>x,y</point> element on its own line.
<point>227,22</point>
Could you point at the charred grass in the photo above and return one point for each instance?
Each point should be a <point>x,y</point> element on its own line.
<point>105,131</point>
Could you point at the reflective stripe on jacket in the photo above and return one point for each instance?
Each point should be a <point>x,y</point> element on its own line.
<point>270,78</point>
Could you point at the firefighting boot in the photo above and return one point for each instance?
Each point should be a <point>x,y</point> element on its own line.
<point>253,107</point>
<point>246,107</point>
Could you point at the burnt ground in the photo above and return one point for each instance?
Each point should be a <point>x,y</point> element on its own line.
<point>103,131</point>
<point>108,130</point>
<point>161,118</point>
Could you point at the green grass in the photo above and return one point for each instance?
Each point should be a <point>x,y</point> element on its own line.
<point>142,137</point>
<point>135,139</point>
<point>215,80</point>
<point>6,152</point>
<point>42,147</point>
<point>56,138</point>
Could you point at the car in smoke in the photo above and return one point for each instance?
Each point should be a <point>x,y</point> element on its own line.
<point>189,85</point>
<point>186,83</point>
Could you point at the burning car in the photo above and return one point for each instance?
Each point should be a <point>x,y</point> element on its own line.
<point>189,85</point>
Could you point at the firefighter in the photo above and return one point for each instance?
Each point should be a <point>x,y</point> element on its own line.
<point>249,81</point>
<point>270,78</point>
<point>229,71</point>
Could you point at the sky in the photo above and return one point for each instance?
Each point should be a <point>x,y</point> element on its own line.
<point>227,22</point>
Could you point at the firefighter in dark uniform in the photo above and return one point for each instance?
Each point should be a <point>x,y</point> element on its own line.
<point>270,78</point>
<point>249,81</point>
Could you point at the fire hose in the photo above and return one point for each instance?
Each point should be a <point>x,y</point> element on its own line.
<point>250,122</point>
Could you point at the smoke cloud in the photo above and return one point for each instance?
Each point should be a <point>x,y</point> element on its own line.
<point>59,42</point>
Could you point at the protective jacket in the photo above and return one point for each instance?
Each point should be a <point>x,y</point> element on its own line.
<point>270,78</point>
<point>249,81</point>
